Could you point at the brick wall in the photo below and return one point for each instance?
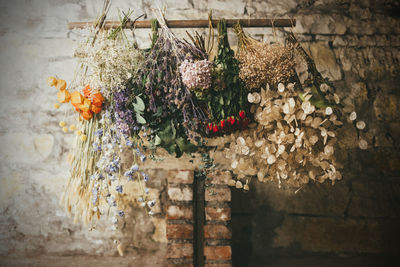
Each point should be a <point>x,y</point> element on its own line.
<point>217,232</point>
<point>181,221</point>
<point>356,43</point>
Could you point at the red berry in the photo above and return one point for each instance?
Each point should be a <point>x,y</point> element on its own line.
<point>222,124</point>
<point>242,115</point>
<point>210,127</point>
<point>215,129</point>
<point>232,120</point>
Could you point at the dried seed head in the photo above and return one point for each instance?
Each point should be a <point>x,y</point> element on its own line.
<point>231,182</point>
<point>363,144</point>
<point>281,88</point>
<point>360,125</point>
<point>328,111</point>
<point>324,88</point>
<point>284,144</point>
<point>271,159</point>
<point>353,116</point>
<point>251,98</point>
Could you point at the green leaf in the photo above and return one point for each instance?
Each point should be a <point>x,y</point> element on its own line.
<point>166,135</point>
<point>173,130</point>
<point>185,146</point>
<point>157,140</point>
<point>140,119</point>
<point>170,148</point>
<point>317,99</point>
<point>301,96</point>
<point>140,106</point>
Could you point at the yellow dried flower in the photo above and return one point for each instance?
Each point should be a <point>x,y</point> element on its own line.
<point>56,106</point>
<point>72,127</point>
<point>78,133</point>
<point>83,137</point>
<point>62,123</point>
<point>65,129</point>
<point>51,81</point>
<point>61,85</point>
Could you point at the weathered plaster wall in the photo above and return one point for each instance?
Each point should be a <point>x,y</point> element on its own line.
<point>355,43</point>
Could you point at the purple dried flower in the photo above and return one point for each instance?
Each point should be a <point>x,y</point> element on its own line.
<point>118,188</point>
<point>123,115</point>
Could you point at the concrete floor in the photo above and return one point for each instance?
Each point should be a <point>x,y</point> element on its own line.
<point>148,261</point>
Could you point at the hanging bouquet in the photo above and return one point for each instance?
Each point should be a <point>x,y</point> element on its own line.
<point>295,135</point>
<point>106,128</point>
<point>130,102</point>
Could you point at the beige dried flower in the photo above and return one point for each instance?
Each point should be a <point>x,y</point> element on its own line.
<point>360,125</point>
<point>292,143</point>
<point>363,144</point>
<point>353,116</point>
<point>262,63</point>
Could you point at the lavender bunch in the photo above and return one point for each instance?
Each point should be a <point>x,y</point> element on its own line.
<point>168,95</point>
<point>124,117</point>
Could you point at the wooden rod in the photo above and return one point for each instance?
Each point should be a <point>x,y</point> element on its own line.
<point>257,23</point>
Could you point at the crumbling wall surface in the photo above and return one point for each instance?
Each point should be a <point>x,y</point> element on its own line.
<point>354,43</point>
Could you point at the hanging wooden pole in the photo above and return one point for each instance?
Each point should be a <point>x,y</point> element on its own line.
<point>257,23</point>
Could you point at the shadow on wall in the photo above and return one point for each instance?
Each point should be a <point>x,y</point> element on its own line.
<point>353,223</point>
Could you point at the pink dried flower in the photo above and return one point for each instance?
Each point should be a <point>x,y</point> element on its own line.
<point>196,74</point>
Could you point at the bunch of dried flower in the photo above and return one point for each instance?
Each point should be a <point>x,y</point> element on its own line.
<point>293,141</point>
<point>263,63</point>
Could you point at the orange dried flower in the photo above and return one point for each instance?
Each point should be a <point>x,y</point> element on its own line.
<point>63,96</point>
<point>76,99</point>
<point>87,115</point>
<point>61,85</point>
<point>87,91</point>
<point>97,99</point>
<point>86,105</point>
<point>95,109</point>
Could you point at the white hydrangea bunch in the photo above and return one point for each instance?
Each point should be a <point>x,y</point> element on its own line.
<point>292,142</point>
<point>196,74</point>
<point>110,62</point>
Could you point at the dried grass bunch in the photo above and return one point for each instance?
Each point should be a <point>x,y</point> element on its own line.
<point>263,63</point>
<point>292,142</point>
